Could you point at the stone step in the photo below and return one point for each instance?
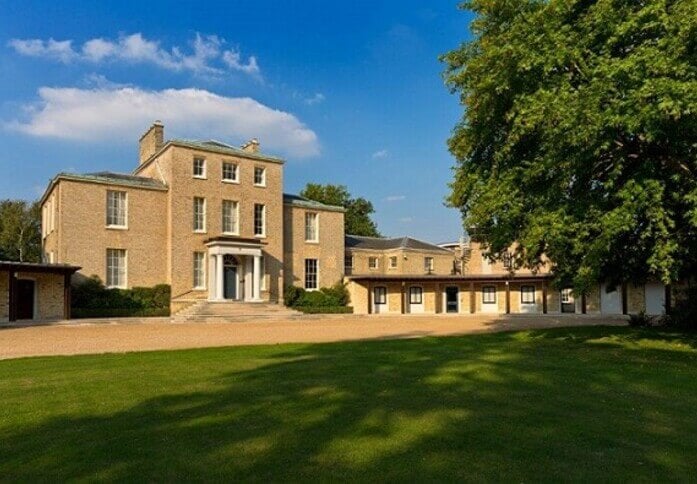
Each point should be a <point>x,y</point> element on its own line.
<point>234,311</point>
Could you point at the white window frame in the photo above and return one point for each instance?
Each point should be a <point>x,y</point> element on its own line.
<point>312,225</point>
<point>199,270</point>
<point>524,291</point>
<point>262,234</point>
<point>202,216</point>
<point>380,295</point>
<point>236,171</point>
<point>414,291</point>
<point>393,262</point>
<point>429,264</point>
<point>308,274</point>
<point>370,263</point>
<point>120,272</point>
<point>262,183</point>
<point>486,293</point>
<point>235,214</point>
<point>204,168</point>
<point>117,207</point>
<point>566,295</point>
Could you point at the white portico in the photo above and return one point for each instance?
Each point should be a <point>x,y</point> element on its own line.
<point>235,269</point>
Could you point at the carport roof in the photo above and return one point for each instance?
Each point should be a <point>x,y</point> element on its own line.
<point>6,265</point>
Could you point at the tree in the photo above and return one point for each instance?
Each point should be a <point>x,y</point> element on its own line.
<point>579,137</point>
<point>20,231</point>
<point>357,220</point>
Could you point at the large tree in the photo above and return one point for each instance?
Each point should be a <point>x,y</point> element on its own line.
<point>357,220</point>
<point>20,231</point>
<point>579,135</point>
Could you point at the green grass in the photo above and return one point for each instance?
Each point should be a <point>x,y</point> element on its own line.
<point>568,404</point>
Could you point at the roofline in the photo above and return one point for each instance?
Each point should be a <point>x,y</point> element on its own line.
<point>451,278</point>
<point>435,247</point>
<point>313,205</point>
<point>14,266</point>
<point>183,144</point>
<point>83,179</point>
<point>439,251</point>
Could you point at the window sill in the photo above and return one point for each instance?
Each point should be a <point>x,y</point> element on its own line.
<point>117,227</point>
<point>260,236</point>
<point>231,182</point>
<point>199,288</point>
<point>312,242</point>
<point>200,177</point>
<point>260,186</point>
<point>232,234</point>
<point>200,231</point>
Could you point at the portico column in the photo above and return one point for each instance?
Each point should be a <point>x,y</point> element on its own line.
<point>219,277</point>
<point>257,278</point>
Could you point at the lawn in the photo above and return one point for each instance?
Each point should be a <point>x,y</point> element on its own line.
<point>568,404</point>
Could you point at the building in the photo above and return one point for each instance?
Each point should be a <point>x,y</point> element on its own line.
<point>212,221</point>
<point>205,217</point>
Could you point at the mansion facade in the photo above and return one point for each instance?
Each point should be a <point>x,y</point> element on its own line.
<point>212,221</point>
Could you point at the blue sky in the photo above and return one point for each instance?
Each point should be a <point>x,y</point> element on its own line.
<point>347,92</point>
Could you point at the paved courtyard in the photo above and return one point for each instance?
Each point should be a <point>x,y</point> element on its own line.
<point>85,337</point>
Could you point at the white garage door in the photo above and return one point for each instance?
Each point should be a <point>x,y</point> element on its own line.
<point>610,302</point>
<point>655,298</point>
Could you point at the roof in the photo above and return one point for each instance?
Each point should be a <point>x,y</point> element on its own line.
<point>298,201</point>
<point>380,243</point>
<point>450,278</point>
<point>107,178</point>
<point>222,148</point>
<point>6,265</point>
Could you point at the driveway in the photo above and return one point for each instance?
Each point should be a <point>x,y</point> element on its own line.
<point>85,337</point>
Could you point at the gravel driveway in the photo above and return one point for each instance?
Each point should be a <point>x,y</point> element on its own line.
<point>85,337</point>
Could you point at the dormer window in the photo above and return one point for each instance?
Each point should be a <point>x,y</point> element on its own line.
<point>199,168</point>
<point>259,176</point>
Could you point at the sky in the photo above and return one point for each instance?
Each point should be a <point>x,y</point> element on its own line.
<point>347,93</point>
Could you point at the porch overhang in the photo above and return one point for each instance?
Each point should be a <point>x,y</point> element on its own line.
<point>225,245</point>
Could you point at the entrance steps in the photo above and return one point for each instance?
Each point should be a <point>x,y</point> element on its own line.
<point>234,311</point>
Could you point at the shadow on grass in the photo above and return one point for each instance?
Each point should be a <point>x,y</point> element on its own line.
<point>524,406</point>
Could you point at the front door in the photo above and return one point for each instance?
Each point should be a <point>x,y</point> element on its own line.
<point>25,299</point>
<point>451,305</point>
<point>231,282</point>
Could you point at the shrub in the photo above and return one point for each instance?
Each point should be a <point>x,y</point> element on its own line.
<point>292,295</point>
<point>641,320</point>
<point>335,297</point>
<point>325,309</point>
<point>684,311</point>
<point>92,299</point>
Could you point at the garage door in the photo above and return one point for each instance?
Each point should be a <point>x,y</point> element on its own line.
<point>610,302</point>
<point>655,294</point>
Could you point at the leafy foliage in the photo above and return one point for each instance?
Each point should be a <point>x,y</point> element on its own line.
<point>578,137</point>
<point>327,297</point>
<point>20,231</point>
<point>357,220</point>
<point>684,312</point>
<point>91,299</point>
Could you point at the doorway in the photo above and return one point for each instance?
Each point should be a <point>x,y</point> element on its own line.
<point>568,303</point>
<point>25,298</point>
<point>451,299</point>
<point>230,277</point>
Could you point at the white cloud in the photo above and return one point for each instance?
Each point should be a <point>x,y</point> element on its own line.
<point>381,154</point>
<point>121,114</point>
<point>316,99</point>
<point>206,55</point>
<point>406,220</point>
<point>395,198</point>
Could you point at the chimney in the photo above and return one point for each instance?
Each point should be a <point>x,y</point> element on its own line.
<point>251,146</point>
<point>152,141</point>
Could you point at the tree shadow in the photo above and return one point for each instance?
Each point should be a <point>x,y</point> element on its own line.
<point>486,407</point>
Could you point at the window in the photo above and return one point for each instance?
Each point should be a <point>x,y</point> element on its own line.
<point>260,176</point>
<point>199,214</point>
<point>230,217</point>
<point>428,264</point>
<point>393,262</point>
<point>199,270</point>
<point>259,220</point>
<point>527,294</point>
<point>380,295</point>
<point>372,262</point>
<point>416,295</point>
<point>348,261</point>
<point>311,227</point>
<point>566,297</point>
<point>116,268</point>
<point>489,295</point>
<point>311,268</point>
<point>116,209</point>
<point>199,168</point>
<point>230,172</point>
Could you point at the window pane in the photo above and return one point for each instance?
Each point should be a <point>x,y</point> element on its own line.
<point>116,208</point>
<point>527,294</point>
<point>259,176</point>
<point>311,227</point>
<point>311,267</point>
<point>489,294</point>
<point>115,268</point>
<point>230,211</point>
<point>229,171</point>
<point>199,167</point>
<point>199,270</point>
<point>199,214</point>
<point>259,220</point>
<point>415,295</point>
<point>380,295</point>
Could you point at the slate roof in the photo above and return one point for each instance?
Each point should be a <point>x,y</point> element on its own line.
<point>107,178</point>
<point>223,148</point>
<point>7,265</point>
<point>379,243</point>
<point>298,201</point>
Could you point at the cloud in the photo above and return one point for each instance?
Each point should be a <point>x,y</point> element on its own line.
<point>206,56</point>
<point>395,198</point>
<point>316,99</point>
<point>122,114</point>
<point>406,219</point>
<point>381,154</point>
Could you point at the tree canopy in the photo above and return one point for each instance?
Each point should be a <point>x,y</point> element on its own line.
<point>579,135</point>
<point>20,231</point>
<point>357,220</point>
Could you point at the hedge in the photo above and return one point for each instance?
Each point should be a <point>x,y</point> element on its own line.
<point>90,299</point>
<point>335,296</point>
<point>82,313</point>
<point>325,309</point>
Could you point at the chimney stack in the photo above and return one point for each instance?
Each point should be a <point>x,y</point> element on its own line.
<point>251,146</point>
<point>152,141</point>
